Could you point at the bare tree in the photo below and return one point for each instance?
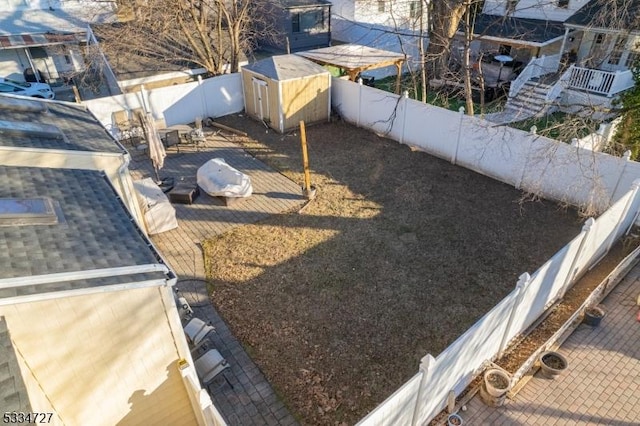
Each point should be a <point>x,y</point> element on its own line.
<point>214,34</point>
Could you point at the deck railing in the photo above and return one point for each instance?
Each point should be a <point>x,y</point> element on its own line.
<point>606,83</point>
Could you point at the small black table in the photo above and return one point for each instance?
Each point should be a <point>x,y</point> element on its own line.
<point>184,193</point>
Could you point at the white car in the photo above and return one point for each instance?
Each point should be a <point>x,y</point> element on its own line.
<point>35,90</point>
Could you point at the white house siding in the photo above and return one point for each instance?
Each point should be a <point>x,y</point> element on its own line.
<point>12,63</point>
<point>101,359</point>
<point>361,22</point>
<point>535,9</point>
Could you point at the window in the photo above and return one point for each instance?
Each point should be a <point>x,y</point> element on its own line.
<point>381,5</point>
<point>563,3</point>
<point>305,22</point>
<point>617,51</point>
<point>415,9</point>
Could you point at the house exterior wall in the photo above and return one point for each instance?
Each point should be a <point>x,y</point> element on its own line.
<point>12,63</point>
<point>305,99</point>
<point>534,9</point>
<point>304,40</point>
<point>101,359</point>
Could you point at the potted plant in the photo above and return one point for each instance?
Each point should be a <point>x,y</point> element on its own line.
<point>593,315</point>
<point>454,420</point>
<point>552,364</point>
<point>496,382</point>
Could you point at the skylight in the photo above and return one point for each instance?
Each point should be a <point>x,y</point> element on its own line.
<point>27,211</point>
<point>29,129</point>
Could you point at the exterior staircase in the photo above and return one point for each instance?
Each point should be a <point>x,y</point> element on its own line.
<point>531,101</point>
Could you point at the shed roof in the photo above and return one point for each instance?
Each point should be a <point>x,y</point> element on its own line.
<point>608,14</point>
<point>96,232</point>
<point>522,30</point>
<point>81,130</point>
<point>286,67</point>
<point>353,57</point>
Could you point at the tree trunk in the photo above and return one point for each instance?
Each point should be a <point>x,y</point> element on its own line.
<point>445,19</point>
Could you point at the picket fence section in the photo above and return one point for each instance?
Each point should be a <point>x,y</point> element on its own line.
<point>178,104</point>
<point>551,169</point>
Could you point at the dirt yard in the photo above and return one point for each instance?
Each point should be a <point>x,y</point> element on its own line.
<point>396,257</point>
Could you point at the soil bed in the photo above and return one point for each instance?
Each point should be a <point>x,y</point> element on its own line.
<point>398,254</point>
<point>497,381</point>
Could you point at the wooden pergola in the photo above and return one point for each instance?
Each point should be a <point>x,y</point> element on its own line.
<point>355,59</point>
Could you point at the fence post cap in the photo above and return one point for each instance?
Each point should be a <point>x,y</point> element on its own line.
<point>523,280</point>
<point>360,81</point>
<point>461,110</point>
<point>534,129</point>
<point>426,362</point>
<point>405,94</point>
<point>627,155</point>
<point>588,224</point>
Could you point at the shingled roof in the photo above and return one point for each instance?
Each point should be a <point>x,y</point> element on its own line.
<point>93,231</point>
<point>79,129</point>
<point>530,31</point>
<point>608,14</point>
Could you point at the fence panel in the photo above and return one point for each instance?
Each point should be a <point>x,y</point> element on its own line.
<point>345,98</point>
<point>499,152</point>
<point>178,104</point>
<point>545,285</point>
<point>432,129</point>
<point>455,366</point>
<point>398,409</point>
<point>381,112</point>
<point>601,233</point>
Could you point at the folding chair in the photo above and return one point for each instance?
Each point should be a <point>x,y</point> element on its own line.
<point>172,138</point>
<point>209,365</point>
<point>196,330</point>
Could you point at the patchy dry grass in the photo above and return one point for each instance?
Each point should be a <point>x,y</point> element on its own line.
<point>397,256</point>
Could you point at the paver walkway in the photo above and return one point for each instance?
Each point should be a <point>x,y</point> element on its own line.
<point>602,383</point>
<point>251,401</point>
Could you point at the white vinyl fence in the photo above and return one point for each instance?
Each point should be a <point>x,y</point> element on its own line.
<point>533,163</point>
<point>178,104</point>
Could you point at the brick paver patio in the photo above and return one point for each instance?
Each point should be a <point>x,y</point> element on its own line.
<point>602,383</point>
<point>251,401</point>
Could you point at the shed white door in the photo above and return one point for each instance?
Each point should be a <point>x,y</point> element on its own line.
<point>261,98</point>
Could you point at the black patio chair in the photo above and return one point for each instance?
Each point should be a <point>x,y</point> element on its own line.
<point>172,138</point>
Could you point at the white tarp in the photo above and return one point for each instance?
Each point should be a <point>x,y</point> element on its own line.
<point>219,179</point>
<point>159,214</point>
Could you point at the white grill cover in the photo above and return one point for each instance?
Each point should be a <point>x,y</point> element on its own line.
<point>219,179</point>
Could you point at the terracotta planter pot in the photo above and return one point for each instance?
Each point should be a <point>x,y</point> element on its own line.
<point>552,364</point>
<point>496,382</point>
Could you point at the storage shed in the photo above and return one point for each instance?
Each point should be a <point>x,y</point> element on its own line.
<point>282,90</point>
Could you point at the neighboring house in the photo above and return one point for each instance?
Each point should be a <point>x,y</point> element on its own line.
<point>382,24</point>
<point>578,54</point>
<point>295,25</point>
<point>46,35</point>
<point>89,329</point>
<point>59,134</point>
